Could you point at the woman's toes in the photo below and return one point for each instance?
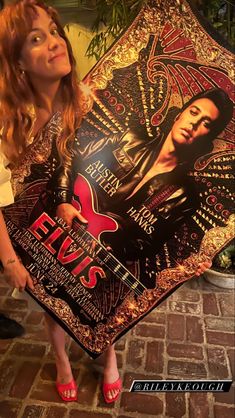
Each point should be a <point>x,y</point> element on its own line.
<point>72,393</point>
<point>112,393</point>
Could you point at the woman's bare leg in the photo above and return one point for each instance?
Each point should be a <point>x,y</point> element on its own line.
<point>57,339</point>
<point>111,373</point>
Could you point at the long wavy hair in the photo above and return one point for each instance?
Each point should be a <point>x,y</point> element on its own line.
<point>16,92</point>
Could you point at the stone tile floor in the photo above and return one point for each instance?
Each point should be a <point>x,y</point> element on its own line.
<point>189,336</point>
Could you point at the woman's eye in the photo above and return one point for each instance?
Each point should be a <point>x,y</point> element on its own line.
<point>54,31</point>
<point>36,39</point>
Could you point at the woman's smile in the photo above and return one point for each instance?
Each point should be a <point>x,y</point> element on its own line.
<point>57,56</point>
<point>44,47</point>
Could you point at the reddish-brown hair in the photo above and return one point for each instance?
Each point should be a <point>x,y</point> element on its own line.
<point>16,92</point>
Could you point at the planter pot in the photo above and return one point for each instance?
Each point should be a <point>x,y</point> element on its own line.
<point>224,280</point>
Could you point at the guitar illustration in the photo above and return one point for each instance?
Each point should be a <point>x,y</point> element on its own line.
<point>83,201</point>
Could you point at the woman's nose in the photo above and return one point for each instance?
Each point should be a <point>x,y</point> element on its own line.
<point>53,42</point>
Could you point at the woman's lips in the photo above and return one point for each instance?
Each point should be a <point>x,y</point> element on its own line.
<point>61,55</point>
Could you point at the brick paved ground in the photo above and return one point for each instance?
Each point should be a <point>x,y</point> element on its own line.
<point>188,336</point>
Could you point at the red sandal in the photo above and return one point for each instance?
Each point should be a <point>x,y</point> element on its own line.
<point>117,385</point>
<point>62,387</point>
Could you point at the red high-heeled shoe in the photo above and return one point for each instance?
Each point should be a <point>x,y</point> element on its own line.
<point>117,385</point>
<point>62,387</point>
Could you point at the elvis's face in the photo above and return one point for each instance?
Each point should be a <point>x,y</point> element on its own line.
<point>195,122</point>
<point>44,56</point>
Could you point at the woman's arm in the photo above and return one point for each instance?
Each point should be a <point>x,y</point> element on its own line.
<point>62,184</point>
<point>14,271</point>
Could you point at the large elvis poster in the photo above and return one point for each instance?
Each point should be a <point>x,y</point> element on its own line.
<point>152,174</point>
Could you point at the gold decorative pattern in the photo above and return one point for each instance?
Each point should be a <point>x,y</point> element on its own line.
<point>151,20</point>
<point>37,153</point>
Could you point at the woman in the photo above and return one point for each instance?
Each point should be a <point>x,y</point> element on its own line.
<point>37,81</point>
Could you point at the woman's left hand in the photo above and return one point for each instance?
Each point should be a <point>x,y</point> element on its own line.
<point>203,267</point>
<point>68,212</point>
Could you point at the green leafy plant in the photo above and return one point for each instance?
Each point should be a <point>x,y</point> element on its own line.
<point>225,260</point>
<point>112,17</point>
<point>221,14</point>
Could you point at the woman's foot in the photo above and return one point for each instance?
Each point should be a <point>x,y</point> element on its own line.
<point>112,383</point>
<point>66,388</point>
<point>111,391</point>
<point>65,383</point>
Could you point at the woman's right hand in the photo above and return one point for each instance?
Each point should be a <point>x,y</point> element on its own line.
<point>17,275</point>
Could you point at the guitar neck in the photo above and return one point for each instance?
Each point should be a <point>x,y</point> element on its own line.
<point>107,259</point>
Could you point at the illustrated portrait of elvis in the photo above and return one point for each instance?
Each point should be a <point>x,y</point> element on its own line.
<point>143,183</point>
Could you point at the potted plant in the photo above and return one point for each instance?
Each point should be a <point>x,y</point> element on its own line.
<point>222,272</point>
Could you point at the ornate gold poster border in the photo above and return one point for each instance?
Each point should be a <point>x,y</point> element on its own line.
<point>98,339</point>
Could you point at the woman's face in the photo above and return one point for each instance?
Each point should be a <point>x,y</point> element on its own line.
<point>44,55</point>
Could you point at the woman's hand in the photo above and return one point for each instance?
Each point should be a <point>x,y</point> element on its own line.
<point>17,275</point>
<point>68,212</point>
<point>14,271</point>
<point>203,267</point>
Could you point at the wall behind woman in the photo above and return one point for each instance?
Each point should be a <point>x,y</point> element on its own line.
<point>80,37</point>
<point>78,20</point>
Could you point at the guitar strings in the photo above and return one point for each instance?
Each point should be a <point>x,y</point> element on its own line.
<point>112,266</point>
